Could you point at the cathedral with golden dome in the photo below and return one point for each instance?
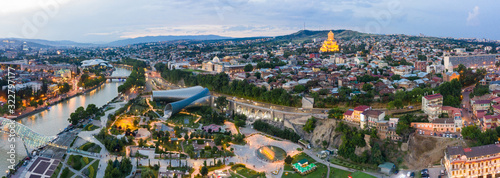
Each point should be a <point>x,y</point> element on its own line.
<point>329,45</point>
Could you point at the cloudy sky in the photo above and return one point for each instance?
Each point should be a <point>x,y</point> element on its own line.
<point>109,20</point>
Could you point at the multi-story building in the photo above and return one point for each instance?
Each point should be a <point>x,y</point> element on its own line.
<point>420,65</point>
<point>490,122</point>
<point>437,126</point>
<point>387,129</point>
<point>369,118</point>
<point>354,115</point>
<point>437,69</point>
<point>402,70</point>
<point>480,105</point>
<point>474,61</point>
<point>480,161</point>
<point>456,114</point>
<point>431,105</point>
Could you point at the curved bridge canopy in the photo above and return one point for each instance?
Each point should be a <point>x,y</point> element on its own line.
<point>28,136</point>
<point>186,97</point>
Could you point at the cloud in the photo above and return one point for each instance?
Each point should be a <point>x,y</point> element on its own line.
<point>472,19</point>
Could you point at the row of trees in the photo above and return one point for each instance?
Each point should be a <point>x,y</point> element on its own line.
<point>468,76</point>
<point>112,143</point>
<point>452,92</point>
<point>82,113</point>
<point>473,132</point>
<point>220,83</point>
<point>275,131</point>
<point>118,169</point>
<point>87,82</point>
<point>136,78</point>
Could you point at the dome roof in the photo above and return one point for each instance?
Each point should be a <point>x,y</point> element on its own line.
<point>216,59</point>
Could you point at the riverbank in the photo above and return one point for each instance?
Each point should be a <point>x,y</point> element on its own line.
<point>61,99</point>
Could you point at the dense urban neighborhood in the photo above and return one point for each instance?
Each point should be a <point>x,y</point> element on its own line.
<point>331,103</point>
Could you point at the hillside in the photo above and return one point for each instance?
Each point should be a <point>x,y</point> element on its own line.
<point>304,35</point>
<point>148,39</point>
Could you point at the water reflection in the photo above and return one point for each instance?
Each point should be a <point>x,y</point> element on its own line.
<point>51,122</point>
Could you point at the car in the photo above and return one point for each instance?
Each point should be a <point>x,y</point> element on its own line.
<point>410,174</point>
<point>424,171</point>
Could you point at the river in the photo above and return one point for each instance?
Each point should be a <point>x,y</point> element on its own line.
<point>52,121</point>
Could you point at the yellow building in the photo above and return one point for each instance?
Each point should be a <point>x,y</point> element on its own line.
<point>329,45</point>
<point>482,161</point>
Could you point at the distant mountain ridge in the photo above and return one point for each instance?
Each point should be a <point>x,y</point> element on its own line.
<point>301,35</point>
<point>149,39</point>
<point>47,43</point>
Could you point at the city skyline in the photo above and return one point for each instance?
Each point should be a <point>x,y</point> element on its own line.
<point>100,22</point>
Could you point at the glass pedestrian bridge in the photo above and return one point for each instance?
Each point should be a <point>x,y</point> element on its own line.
<point>28,136</point>
<point>183,98</point>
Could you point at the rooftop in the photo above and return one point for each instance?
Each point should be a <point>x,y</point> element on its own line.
<point>434,96</point>
<point>474,151</point>
<point>362,108</point>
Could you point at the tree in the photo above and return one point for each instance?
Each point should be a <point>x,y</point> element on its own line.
<point>76,116</point>
<point>288,159</point>
<point>64,88</point>
<point>396,77</point>
<point>221,102</point>
<point>147,173</point>
<point>367,87</point>
<point>299,88</point>
<point>248,68</point>
<point>310,125</point>
<point>91,109</point>
<point>336,113</point>
<point>204,170</point>
<point>258,75</point>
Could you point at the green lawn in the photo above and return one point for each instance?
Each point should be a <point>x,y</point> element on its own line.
<point>94,166</point>
<point>235,175</point>
<point>90,147</point>
<point>178,119</point>
<point>350,165</point>
<point>144,168</point>
<point>246,172</point>
<point>90,127</point>
<point>249,173</point>
<point>67,173</point>
<point>213,168</point>
<point>359,174</point>
<point>56,172</point>
<point>339,173</point>
<point>78,162</point>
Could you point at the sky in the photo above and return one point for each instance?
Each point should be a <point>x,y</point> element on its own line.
<point>99,21</point>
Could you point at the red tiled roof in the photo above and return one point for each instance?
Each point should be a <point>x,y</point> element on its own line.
<point>348,112</point>
<point>434,96</point>
<point>362,108</point>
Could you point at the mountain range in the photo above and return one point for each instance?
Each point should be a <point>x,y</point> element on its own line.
<point>301,35</point>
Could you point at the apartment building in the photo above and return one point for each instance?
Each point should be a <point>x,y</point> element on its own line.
<point>481,161</point>
<point>432,104</point>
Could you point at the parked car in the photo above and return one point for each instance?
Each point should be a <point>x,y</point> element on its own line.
<point>424,171</point>
<point>410,174</point>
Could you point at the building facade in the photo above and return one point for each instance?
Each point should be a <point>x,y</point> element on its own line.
<point>481,161</point>
<point>470,61</point>
<point>432,104</point>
